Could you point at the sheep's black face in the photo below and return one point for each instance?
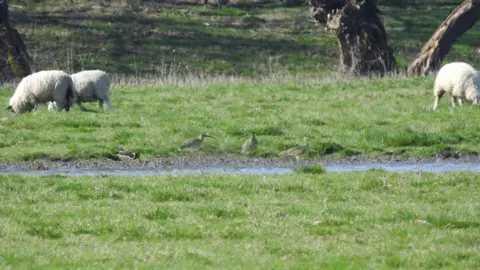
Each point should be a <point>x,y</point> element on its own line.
<point>10,109</point>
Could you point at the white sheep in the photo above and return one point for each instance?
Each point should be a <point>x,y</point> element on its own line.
<point>460,80</point>
<point>91,85</point>
<point>42,87</point>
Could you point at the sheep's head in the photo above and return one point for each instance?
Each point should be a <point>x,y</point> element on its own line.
<point>20,108</point>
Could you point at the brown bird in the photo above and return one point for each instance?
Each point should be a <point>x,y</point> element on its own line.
<point>195,142</point>
<point>250,144</point>
<point>297,150</point>
<point>124,155</point>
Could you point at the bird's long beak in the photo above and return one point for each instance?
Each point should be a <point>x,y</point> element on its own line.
<point>210,136</point>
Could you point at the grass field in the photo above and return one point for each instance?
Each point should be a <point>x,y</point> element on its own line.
<point>190,42</point>
<point>368,220</point>
<point>341,117</point>
<point>284,88</point>
<point>248,38</point>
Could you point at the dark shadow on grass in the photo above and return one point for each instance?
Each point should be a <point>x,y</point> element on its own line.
<point>84,109</point>
<point>130,43</point>
<point>416,3</point>
<point>419,22</point>
<point>246,6</point>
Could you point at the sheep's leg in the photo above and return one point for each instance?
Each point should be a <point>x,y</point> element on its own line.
<point>100,103</point>
<point>460,101</point>
<point>35,107</point>
<point>435,104</point>
<point>475,101</point>
<point>51,106</point>
<point>454,101</point>
<point>82,108</point>
<point>65,106</point>
<point>438,95</point>
<point>109,105</point>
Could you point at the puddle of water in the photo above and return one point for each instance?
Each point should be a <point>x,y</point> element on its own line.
<point>405,167</point>
<point>395,167</point>
<point>151,172</point>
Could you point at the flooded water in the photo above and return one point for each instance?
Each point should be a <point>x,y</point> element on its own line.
<point>437,167</point>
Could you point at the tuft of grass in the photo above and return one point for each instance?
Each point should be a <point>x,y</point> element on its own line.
<point>312,169</point>
<point>330,220</point>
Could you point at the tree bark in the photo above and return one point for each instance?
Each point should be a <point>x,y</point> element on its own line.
<point>15,61</point>
<point>361,35</point>
<point>457,23</point>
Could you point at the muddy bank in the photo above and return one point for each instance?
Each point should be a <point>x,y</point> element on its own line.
<point>195,162</point>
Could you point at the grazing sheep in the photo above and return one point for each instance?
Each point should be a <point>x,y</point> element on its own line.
<point>91,85</point>
<point>42,87</point>
<point>460,80</point>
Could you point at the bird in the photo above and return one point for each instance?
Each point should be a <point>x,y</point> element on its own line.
<point>250,144</point>
<point>123,155</point>
<point>128,154</point>
<point>195,142</point>
<point>297,150</point>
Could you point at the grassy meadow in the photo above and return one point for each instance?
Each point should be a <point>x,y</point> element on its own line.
<point>182,69</point>
<point>249,66</point>
<point>365,220</point>
<point>385,116</point>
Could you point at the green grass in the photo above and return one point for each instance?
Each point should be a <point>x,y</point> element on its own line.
<point>373,220</point>
<point>386,116</point>
<point>247,39</point>
<point>312,169</point>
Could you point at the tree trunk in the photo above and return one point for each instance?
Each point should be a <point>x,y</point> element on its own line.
<point>364,49</point>
<point>457,23</point>
<point>16,61</point>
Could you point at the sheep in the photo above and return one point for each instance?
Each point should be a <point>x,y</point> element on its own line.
<point>460,80</point>
<point>42,87</point>
<point>91,85</point>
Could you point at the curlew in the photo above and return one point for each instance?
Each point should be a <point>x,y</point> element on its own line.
<point>251,144</point>
<point>297,150</point>
<point>195,142</point>
<point>124,155</point>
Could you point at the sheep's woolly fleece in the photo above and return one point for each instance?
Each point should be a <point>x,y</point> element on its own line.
<point>42,87</point>
<point>92,85</point>
<point>458,79</point>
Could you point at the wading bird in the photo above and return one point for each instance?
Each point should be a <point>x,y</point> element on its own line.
<point>124,155</point>
<point>297,150</point>
<point>195,142</point>
<point>251,144</point>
